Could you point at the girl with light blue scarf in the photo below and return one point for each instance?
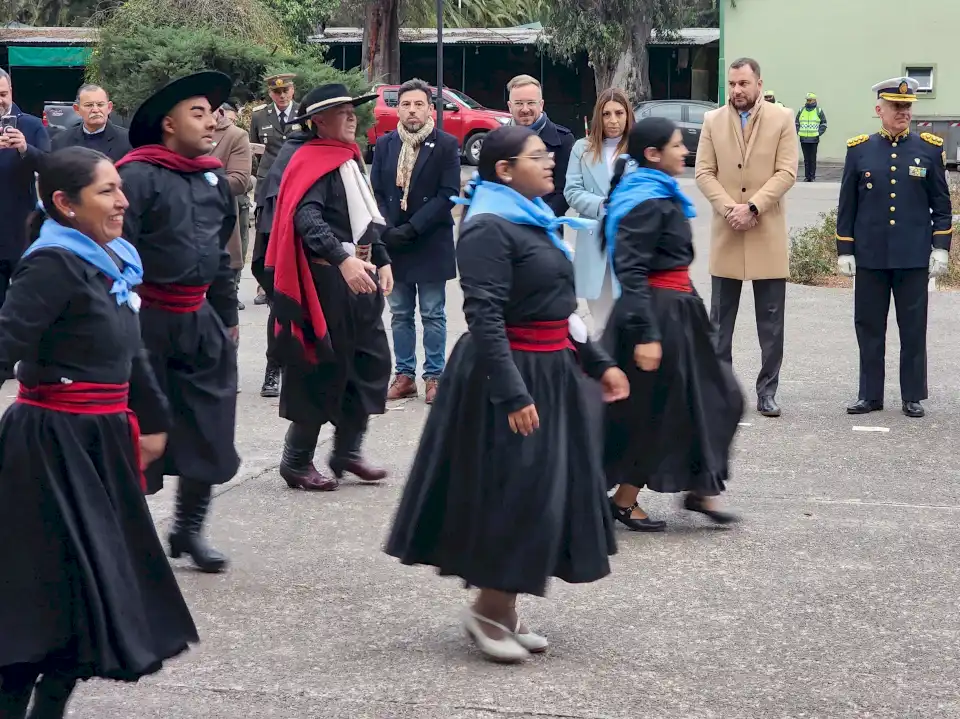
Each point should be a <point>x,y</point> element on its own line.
<point>86,589</point>
<point>674,432</point>
<point>507,489</point>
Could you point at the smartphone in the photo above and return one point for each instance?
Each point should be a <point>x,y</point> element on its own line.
<point>8,121</point>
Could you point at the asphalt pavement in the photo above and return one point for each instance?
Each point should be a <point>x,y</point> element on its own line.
<point>836,597</point>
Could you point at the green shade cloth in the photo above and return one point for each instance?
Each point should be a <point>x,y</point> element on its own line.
<point>49,56</point>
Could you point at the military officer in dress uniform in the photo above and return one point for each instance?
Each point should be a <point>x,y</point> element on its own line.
<point>270,126</point>
<point>893,232</point>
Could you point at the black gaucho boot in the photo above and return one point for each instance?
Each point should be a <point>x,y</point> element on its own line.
<point>51,696</point>
<point>346,455</point>
<point>271,381</point>
<point>297,467</point>
<point>193,503</point>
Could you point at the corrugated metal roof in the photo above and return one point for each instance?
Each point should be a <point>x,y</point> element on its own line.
<point>48,35</point>
<point>500,36</point>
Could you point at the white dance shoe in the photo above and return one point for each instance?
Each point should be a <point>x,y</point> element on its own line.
<point>507,650</point>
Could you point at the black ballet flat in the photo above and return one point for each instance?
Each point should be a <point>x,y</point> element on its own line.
<point>622,515</point>
<point>693,503</point>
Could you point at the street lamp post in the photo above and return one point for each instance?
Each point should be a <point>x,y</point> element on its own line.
<point>439,64</point>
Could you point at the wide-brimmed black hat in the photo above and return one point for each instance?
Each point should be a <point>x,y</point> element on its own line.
<point>146,125</point>
<point>327,97</point>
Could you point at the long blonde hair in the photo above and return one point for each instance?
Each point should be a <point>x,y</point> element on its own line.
<point>595,138</point>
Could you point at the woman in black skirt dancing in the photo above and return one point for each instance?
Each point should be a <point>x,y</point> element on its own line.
<point>507,489</point>
<point>673,434</point>
<point>85,590</point>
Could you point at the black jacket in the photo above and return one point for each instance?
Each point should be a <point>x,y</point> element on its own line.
<point>428,255</point>
<point>559,140</point>
<point>114,143</point>
<point>18,194</point>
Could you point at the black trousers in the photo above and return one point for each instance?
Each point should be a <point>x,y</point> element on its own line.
<point>871,305</point>
<point>347,438</point>
<point>769,298</point>
<point>809,160</point>
<point>271,340</point>
<point>6,272</point>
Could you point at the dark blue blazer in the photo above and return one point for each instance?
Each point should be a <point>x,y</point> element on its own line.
<point>18,193</point>
<point>436,178</point>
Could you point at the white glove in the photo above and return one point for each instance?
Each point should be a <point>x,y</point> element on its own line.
<point>939,262</point>
<point>847,265</point>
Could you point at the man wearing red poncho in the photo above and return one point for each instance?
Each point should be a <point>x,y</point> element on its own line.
<point>330,273</point>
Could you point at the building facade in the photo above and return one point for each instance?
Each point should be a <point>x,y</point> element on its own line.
<point>840,48</point>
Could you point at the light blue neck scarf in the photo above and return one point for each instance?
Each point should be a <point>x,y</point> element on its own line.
<point>492,198</point>
<point>53,234</point>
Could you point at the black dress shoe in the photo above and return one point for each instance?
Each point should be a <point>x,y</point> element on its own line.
<point>260,300</point>
<point>693,503</point>
<point>622,515</point>
<point>913,409</point>
<point>865,406</point>
<point>240,305</point>
<point>271,381</point>
<point>768,407</point>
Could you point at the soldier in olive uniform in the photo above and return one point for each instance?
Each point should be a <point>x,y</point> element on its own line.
<point>270,127</point>
<point>893,232</point>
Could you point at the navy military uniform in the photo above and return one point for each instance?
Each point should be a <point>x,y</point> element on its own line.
<point>894,212</point>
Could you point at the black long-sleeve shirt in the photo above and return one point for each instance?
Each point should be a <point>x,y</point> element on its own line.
<point>59,321</point>
<point>514,275</point>
<point>181,223</point>
<point>654,235</point>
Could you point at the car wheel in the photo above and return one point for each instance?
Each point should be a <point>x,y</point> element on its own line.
<point>471,151</point>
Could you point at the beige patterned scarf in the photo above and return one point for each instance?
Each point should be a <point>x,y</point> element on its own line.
<point>412,142</point>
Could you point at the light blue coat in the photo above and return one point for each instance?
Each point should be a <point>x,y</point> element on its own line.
<point>588,182</point>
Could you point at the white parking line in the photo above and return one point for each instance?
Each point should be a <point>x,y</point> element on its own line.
<point>871,429</point>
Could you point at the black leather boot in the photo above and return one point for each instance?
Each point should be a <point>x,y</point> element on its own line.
<point>16,686</point>
<point>193,503</point>
<point>346,455</point>
<point>51,696</point>
<point>271,381</point>
<point>297,467</point>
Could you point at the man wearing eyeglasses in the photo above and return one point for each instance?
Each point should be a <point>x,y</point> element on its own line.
<point>95,129</point>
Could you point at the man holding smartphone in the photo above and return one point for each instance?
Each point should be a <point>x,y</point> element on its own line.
<point>23,140</point>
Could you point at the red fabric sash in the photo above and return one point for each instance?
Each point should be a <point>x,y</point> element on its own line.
<point>179,299</point>
<point>677,279</point>
<point>295,303</point>
<point>163,156</point>
<point>552,336</point>
<point>87,398</point>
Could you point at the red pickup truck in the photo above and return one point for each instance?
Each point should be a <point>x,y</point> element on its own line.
<point>464,118</point>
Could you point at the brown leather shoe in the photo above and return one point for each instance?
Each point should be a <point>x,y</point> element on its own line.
<point>431,390</point>
<point>401,388</point>
<point>358,467</point>
<point>309,480</point>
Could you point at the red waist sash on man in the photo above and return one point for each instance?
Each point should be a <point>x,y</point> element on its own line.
<point>179,299</point>
<point>676,279</point>
<point>549,336</point>
<point>87,398</point>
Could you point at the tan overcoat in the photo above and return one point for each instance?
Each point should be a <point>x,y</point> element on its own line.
<point>232,148</point>
<point>758,165</point>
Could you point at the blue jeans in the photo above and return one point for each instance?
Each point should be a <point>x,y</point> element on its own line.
<point>403,302</point>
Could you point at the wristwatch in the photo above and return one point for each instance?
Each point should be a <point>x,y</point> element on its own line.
<point>753,209</point>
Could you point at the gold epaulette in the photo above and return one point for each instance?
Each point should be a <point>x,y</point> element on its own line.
<point>854,141</point>
<point>932,139</point>
<point>259,107</point>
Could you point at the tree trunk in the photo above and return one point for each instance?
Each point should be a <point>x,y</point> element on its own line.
<point>381,41</point>
<point>630,71</point>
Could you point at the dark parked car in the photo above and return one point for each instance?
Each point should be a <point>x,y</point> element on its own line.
<point>59,116</point>
<point>687,114</point>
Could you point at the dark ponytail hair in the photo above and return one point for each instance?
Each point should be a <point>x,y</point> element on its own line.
<point>68,171</point>
<point>654,132</point>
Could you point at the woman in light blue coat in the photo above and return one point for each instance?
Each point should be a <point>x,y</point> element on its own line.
<point>588,183</point>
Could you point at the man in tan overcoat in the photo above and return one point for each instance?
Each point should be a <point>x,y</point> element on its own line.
<point>746,163</point>
<point>232,147</point>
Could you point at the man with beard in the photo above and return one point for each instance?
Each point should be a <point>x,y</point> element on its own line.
<point>526,107</point>
<point>416,170</point>
<point>326,258</point>
<point>180,218</point>
<point>95,129</point>
<point>746,162</point>
<point>894,227</point>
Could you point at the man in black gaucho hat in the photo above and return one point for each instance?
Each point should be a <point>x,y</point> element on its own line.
<point>330,273</point>
<point>180,218</point>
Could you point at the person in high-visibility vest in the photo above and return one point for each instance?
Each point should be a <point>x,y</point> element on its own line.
<point>771,97</point>
<point>811,124</point>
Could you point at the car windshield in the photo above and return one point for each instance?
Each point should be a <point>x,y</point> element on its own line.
<point>464,99</point>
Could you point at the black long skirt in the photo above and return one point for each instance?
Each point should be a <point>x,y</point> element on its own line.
<point>500,510</point>
<point>674,432</point>
<point>84,586</point>
<point>195,362</point>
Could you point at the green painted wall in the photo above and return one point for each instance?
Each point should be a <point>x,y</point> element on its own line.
<point>839,49</point>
